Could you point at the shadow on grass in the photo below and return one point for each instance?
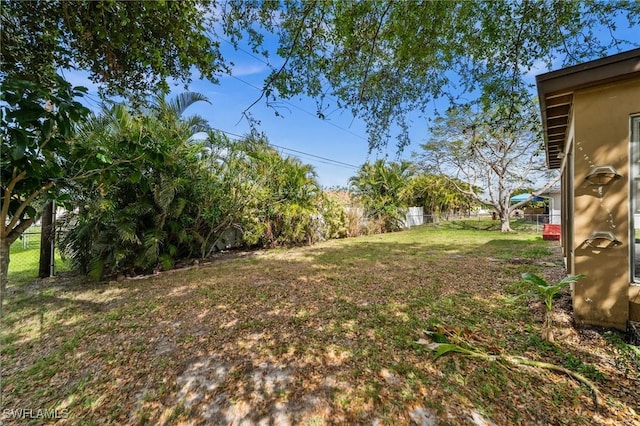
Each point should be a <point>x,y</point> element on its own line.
<point>317,334</point>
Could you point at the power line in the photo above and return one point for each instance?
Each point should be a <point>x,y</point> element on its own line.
<point>245,51</point>
<point>324,159</point>
<point>303,110</point>
<point>283,101</point>
<point>317,156</point>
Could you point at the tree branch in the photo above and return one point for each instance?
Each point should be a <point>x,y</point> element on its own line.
<point>26,203</point>
<point>18,230</point>
<point>7,199</point>
<point>274,76</point>
<point>374,40</point>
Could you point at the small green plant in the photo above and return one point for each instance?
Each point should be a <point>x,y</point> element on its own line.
<point>546,292</point>
<point>443,343</point>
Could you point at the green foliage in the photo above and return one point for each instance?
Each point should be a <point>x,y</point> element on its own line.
<point>546,292</point>
<point>487,152</point>
<point>444,342</point>
<point>36,126</point>
<point>151,196</point>
<point>288,197</point>
<point>131,47</point>
<point>139,192</point>
<point>272,200</point>
<point>379,59</point>
<point>438,195</point>
<point>383,59</point>
<point>381,188</point>
<point>334,218</point>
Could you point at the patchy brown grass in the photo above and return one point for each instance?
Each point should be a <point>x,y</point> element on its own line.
<point>325,334</point>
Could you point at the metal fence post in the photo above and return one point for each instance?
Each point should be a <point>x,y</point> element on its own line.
<point>52,259</point>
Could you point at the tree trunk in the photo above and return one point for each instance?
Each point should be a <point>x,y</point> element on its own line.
<point>547,328</point>
<point>506,226</point>
<point>46,240</point>
<point>4,270</point>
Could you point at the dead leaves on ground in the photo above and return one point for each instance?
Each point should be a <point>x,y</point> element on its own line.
<point>317,335</point>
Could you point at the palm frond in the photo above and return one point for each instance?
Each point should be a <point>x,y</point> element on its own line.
<point>179,103</point>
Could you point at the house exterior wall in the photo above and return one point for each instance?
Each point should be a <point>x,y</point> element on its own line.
<point>600,128</point>
<point>555,206</point>
<point>566,203</point>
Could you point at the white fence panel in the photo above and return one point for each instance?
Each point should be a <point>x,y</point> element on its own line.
<point>414,217</point>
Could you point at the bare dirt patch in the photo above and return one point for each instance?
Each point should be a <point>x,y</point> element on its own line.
<point>316,335</point>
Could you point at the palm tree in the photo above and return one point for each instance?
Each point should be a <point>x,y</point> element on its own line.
<point>171,112</point>
<point>139,173</point>
<point>291,196</point>
<point>381,187</point>
<point>438,195</point>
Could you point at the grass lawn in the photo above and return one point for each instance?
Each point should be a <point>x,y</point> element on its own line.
<point>327,334</point>
<point>25,257</point>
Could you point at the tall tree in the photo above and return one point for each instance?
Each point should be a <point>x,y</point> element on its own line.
<point>130,48</point>
<point>36,126</point>
<point>485,152</point>
<point>382,59</point>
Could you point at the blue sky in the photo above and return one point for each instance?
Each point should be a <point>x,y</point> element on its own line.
<point>340,137</point>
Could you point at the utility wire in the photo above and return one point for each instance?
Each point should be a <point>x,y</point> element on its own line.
<point>317,156</point>
<point>305,111</point>
<point>324,159</point>
<point>284,101</point>
<point>245,51</point>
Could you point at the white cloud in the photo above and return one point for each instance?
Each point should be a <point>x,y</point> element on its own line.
<point>243,70</point>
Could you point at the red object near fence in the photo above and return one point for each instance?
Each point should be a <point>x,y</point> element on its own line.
<point>551,232</point>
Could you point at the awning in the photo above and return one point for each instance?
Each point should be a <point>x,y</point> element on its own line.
<point>524,197</point>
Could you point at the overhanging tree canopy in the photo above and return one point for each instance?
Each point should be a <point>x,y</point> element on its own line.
<point>131,48</point>
<point>383,59</point>
<point>380,59</point>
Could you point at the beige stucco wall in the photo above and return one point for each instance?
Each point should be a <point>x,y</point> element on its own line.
<point>601,129</point>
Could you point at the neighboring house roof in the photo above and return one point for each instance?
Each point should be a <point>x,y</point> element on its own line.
<point>342,197</point>
<point>556,88</point>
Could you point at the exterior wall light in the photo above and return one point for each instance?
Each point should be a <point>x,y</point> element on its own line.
<point>602,240</point>
<point>603,175</point>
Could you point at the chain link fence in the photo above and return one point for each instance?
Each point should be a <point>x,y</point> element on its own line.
<point>25,251</point>
<point>532,222</point>
<point>25,257</point>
